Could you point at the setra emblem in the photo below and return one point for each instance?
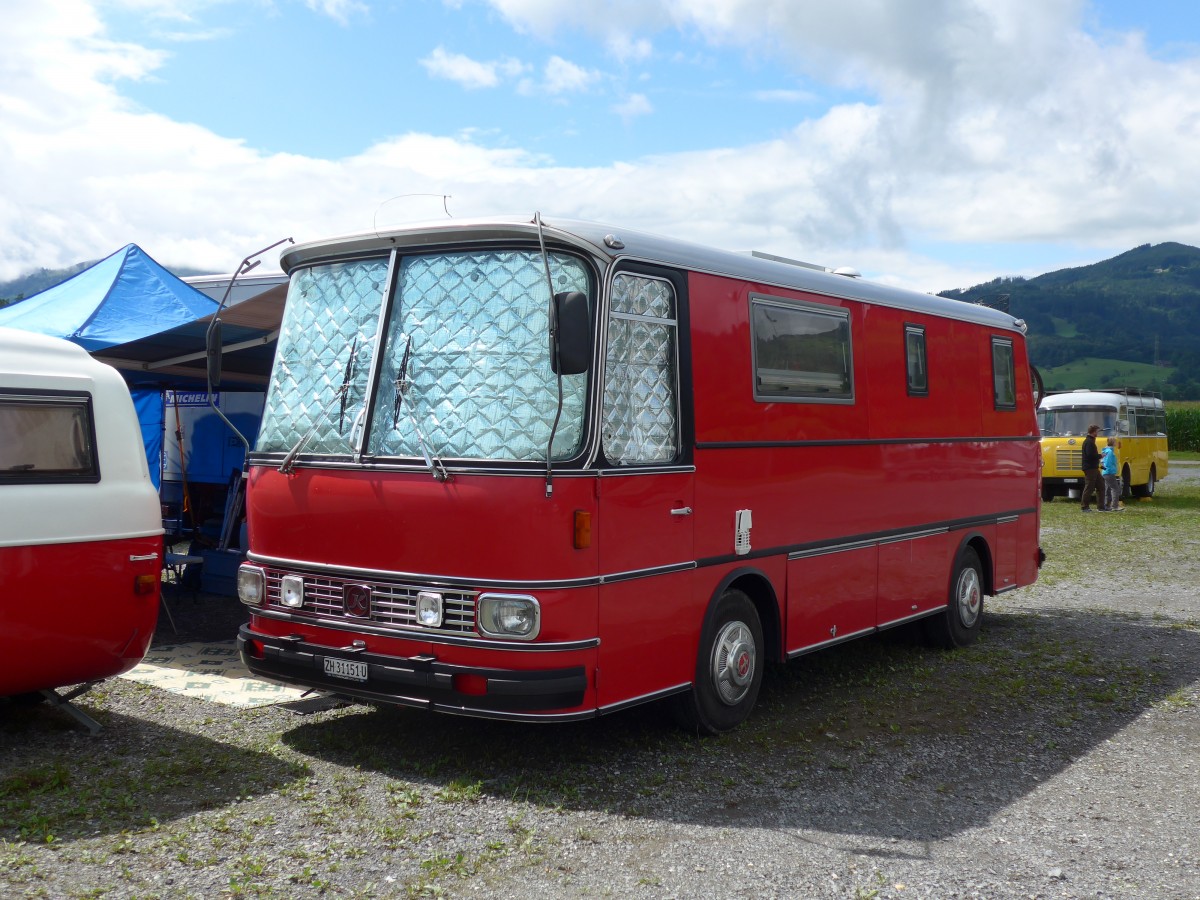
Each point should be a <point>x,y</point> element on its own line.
<point>357,600</point>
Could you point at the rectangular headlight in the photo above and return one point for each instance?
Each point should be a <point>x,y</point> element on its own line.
<point>429,609</point>
<point>291,591</point>
<point>513,616</point>
<point>251,585</point>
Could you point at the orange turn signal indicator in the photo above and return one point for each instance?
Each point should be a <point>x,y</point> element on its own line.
<point>583,529</point>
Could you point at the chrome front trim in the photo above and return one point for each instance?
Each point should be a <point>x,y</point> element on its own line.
<point>363,626</point>
<point>647,573</point>
<point>437,582</point>
<point>449,582</point>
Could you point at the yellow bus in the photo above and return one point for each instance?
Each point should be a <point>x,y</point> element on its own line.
<point>1134,417</point>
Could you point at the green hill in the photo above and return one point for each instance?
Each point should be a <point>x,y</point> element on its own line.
<point>1093,323</point>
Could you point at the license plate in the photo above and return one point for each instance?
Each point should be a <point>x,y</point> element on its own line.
<point>1070,480</point>
<point>344,668</point>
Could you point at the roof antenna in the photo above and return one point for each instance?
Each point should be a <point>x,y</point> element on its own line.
<point>375,218</point>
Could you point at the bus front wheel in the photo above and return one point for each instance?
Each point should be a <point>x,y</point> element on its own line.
<point>729,668</point>
<point>959,624</point>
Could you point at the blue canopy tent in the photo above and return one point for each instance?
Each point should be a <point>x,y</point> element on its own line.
<point>119,299</point>
<point>123,297</point>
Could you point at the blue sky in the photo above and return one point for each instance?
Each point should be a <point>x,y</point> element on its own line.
<point>930,143</point>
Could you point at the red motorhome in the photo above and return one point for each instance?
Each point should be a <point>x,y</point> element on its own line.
<point>546,470</point>
<point>80,523</point>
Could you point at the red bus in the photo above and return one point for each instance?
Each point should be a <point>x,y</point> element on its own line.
<point>80,524</point>
<point>543,471</point>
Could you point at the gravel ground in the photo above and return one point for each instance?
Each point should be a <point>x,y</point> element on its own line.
<point>1058,757</point>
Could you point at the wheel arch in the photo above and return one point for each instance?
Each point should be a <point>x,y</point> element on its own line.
<point>755,584</point>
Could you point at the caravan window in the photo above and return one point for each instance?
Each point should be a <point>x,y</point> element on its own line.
<point>47,438</point>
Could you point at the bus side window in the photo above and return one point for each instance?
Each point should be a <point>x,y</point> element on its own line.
<point>914,355</point>
<point>1004,381</point>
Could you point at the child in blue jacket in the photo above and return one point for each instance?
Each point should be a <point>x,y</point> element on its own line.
<point>1111,501</point>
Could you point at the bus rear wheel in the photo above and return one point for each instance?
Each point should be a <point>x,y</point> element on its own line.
<point>729,668</point>
<point>1147,489</point>
<point>959,624</point>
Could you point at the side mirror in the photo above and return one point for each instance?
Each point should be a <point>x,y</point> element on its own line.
<point>213,350</point>
<point>570,334</point>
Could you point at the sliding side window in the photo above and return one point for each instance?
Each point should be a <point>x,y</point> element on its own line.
<point>641,411</point>
<point>914,354</point>
<point>1004,381</point>
<point>801,352</point>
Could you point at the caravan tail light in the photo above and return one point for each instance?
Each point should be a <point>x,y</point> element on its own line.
<point>145,584</point>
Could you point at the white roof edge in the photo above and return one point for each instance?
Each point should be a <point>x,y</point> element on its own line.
<point>648,247</point>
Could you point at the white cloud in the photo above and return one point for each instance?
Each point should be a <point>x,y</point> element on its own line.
<point>565,77</point>
<point>339,10</point>
<point>632,107</point>
<point>468,72</point>
<point>986,121</point>
<point>784,95</point>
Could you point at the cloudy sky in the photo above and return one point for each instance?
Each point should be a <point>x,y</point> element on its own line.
<point>928,143</point>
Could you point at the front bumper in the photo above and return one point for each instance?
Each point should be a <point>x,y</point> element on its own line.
<point>419,681</point>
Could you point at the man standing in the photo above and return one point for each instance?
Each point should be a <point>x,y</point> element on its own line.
<point>1091,470</point>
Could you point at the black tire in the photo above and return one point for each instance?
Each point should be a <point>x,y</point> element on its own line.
<point>1126,488</point>
<point>1047,495</point>
<point>729,668</point>
<point>1147,489</point>
<point>958,625</point>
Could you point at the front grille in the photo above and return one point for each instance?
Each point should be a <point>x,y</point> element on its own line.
<point>392,605</point>
<point>1068,460</point>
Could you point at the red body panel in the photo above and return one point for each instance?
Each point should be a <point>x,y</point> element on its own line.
<point>69,612</point>
<point>475,526</point>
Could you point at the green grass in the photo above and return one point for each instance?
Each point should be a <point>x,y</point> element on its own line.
<point>1099,547</point>
<point>1097,373</point>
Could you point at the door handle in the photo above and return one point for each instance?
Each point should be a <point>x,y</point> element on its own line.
<point>682,511</point>
<point>143,557</point>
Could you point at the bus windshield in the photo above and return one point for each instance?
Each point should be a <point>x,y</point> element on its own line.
<point>1074,420</point>
<point>465,366</point>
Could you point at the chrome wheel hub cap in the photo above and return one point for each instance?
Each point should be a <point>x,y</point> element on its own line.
<point>734,661</point>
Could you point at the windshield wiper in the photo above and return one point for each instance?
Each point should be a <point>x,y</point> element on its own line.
<point>434,464</point>
<point>289,462</point>
<point>344,389</point>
